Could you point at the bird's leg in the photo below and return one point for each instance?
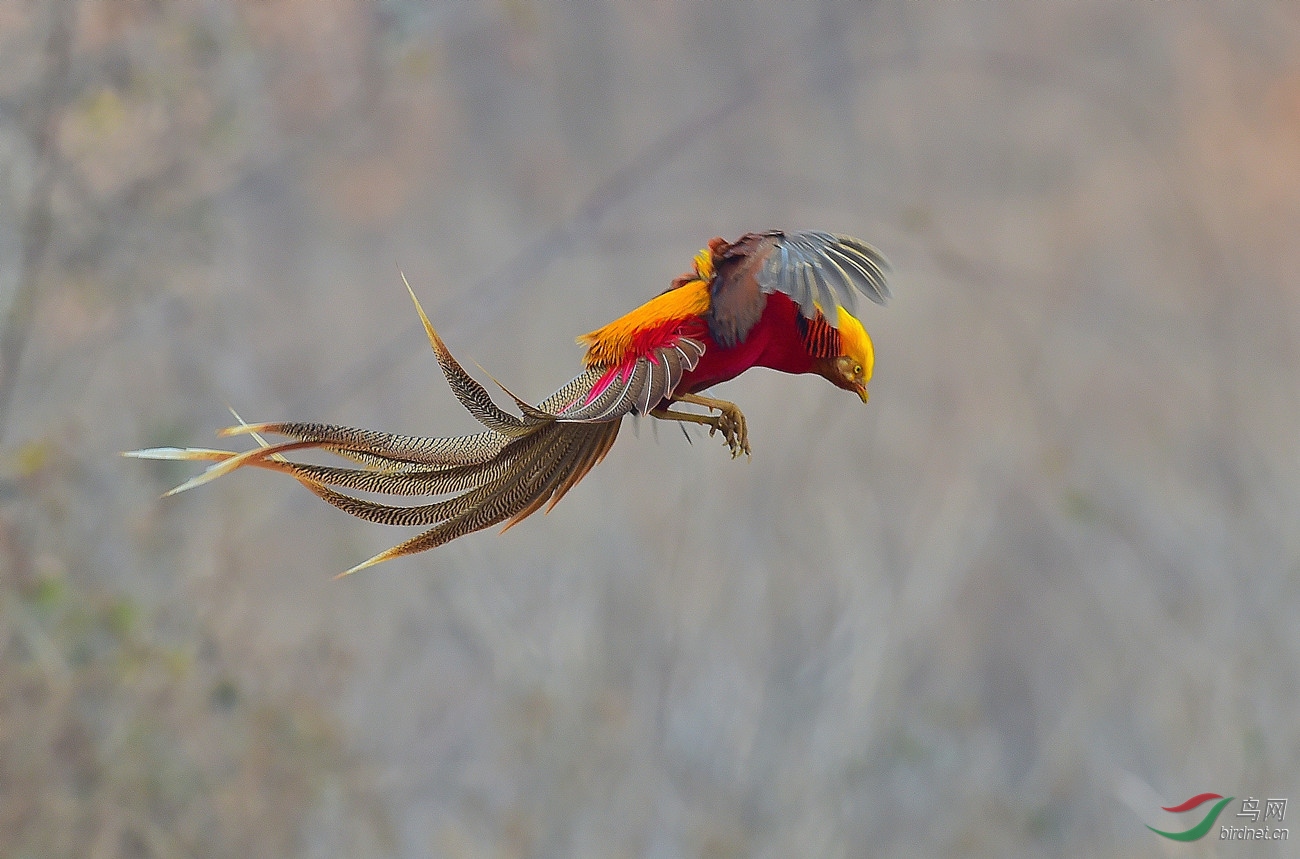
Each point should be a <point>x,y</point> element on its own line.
<point>729,420</point>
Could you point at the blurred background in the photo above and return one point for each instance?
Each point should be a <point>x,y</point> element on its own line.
<point>1045,583</point>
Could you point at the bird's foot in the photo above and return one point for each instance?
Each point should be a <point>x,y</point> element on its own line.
<point>731,423</point>
<point>729,420</point>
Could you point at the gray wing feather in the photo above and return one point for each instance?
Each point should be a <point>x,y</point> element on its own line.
<point>870,264</point>
<point>825,270</point>
<point>785,275</point>
<point>839,279</point>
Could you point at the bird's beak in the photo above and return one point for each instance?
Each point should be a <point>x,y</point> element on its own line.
<point>861,391</point>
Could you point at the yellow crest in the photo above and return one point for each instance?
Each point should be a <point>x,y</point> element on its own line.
<point>855,342</point>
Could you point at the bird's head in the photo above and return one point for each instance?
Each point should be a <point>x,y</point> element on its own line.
<point>851,369</point>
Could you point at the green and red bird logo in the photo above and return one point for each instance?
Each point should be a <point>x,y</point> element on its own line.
<point>1199,830</point>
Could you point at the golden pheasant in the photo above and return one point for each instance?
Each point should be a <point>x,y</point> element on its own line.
<point>774,299</point>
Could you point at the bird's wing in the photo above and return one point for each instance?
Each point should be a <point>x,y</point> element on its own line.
<point>819,271</point>
<point>638,384</point>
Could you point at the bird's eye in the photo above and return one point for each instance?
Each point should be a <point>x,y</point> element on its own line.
<point>857,369</point>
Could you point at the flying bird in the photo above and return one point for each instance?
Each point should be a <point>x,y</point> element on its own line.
<point>782,300</point>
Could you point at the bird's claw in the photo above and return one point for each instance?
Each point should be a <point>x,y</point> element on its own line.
<point>731,422</point>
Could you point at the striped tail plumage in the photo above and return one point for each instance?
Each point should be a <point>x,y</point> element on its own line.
<point>502,474</point>
<point>641,363</point>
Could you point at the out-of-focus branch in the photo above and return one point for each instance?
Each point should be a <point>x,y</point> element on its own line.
<point>42,115</point>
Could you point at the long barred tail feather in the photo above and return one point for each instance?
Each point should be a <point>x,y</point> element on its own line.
<point>514,499</point>
<point>505,473</point>
<point>387,450</point>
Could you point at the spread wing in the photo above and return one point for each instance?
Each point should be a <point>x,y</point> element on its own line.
<point>817,270</point>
